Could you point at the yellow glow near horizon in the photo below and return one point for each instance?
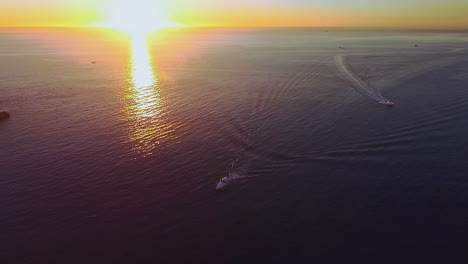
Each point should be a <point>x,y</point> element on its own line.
<point>137,17</point>
<point>143,16</point>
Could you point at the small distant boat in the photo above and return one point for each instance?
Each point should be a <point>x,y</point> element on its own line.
<point>225,182</point>
<point>386,102</point>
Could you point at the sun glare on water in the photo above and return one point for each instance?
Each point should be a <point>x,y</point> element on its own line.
<point>145,110</point>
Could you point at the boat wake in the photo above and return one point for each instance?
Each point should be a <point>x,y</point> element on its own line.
<point>260,153</point>
<point>233,175</point>
<point>356,82</point>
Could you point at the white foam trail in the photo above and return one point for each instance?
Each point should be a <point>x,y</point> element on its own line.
<point>356,82</point>
<point>235,177</point>
<point>455,50</point>
<point>363,87</point>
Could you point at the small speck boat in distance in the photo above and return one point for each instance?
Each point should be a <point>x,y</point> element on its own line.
<point>386,102</point>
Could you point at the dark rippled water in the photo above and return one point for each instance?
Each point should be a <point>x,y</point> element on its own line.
<point>115,146</point>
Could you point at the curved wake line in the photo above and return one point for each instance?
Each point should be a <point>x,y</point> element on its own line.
<point>363,87</point>
<point>236,177</point>
<point>356,82</point>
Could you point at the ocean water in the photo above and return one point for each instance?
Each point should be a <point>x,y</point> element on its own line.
<point>116,143</point>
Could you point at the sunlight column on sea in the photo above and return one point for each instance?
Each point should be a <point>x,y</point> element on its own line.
<point>145,110</point>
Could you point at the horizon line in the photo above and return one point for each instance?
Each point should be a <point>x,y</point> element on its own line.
<point>383,28</point>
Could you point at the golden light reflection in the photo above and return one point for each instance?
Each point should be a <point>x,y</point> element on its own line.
<point>143,74</point>
<point>145,110</point>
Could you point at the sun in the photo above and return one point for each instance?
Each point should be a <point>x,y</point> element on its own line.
<point>136,17</point>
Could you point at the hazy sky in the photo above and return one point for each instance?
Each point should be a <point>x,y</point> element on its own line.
<point>383,13</point>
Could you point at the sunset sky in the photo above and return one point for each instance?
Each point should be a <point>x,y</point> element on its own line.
<point>448,14</point>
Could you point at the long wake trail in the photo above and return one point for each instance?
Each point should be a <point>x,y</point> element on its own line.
<point>356,82</point>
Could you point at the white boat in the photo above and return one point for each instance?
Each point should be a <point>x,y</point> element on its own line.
<point>226,181</point>
<point>386,102</point>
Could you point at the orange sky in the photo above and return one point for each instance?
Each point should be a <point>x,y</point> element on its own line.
<point>449,14</point>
